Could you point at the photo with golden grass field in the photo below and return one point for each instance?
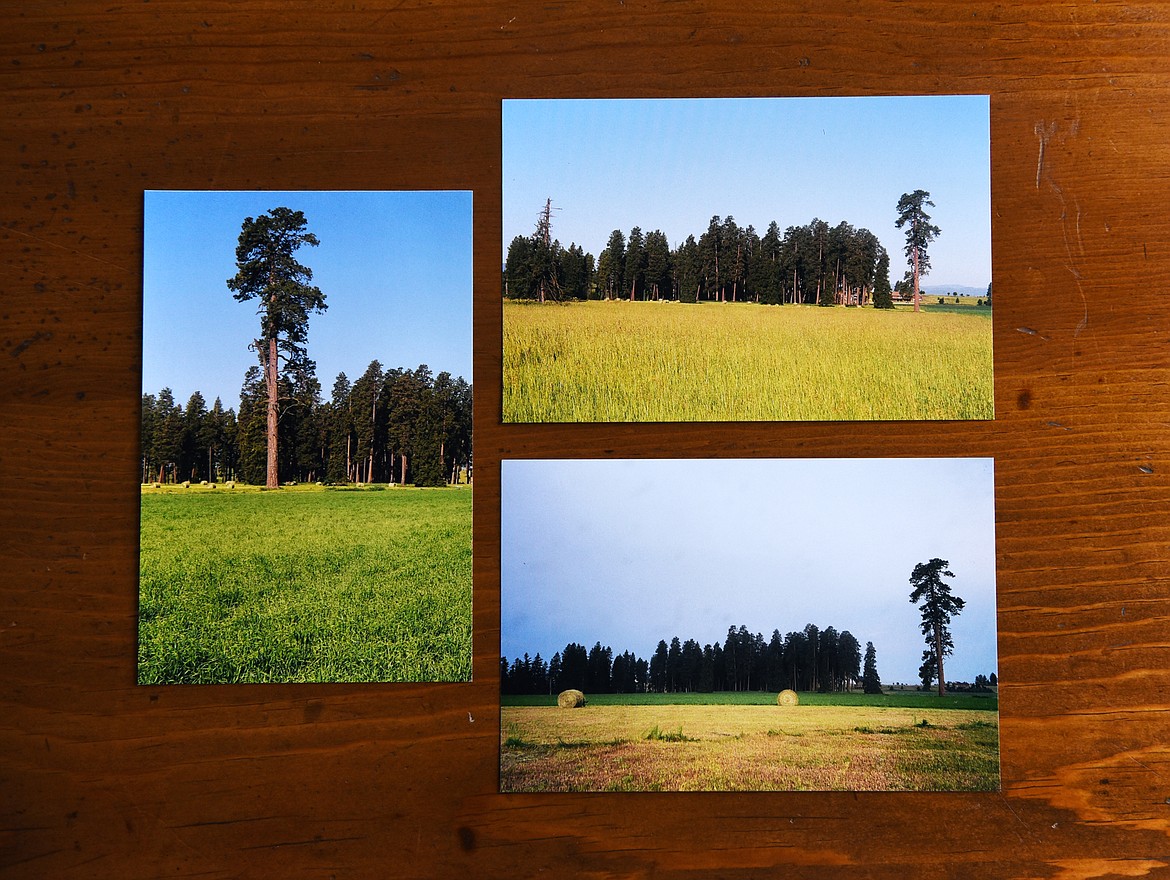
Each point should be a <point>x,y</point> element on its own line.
<point>298,529</point>
<point>748,625</point>
<point>761,263</point>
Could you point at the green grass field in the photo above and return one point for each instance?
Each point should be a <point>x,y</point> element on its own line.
<point>656,361</point>
<point>304,584</point>
<point>739,746</point>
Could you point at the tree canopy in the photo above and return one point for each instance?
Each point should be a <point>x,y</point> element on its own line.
<point>399,425</point>
<point>808,659</point>
<point>812,264</point>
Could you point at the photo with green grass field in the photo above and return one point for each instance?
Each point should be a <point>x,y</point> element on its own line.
<point>748,625</point>
<point>695,286</point>
<point>290,534</point>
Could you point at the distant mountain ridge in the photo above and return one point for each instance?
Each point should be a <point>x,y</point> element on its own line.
<point>953,290</point>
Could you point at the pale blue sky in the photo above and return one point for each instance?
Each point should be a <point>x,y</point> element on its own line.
<point>673,163</point>
<point>395,268</point>
<point>627,552</point>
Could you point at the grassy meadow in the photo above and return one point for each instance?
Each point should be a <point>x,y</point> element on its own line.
<point>737,745</point>
<point>664,361</point>
<point>304,584</point>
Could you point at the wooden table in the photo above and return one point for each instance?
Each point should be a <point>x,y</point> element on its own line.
<point>102,778</point>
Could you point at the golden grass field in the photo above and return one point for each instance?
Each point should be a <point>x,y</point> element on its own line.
<point>747,748</point>
<point>665,361</point>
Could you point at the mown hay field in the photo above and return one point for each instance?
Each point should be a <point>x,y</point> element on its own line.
<point>660,361</point>
<point>304,584</point>
<point>748,748</point>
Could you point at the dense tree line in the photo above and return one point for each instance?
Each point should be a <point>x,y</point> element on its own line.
<point>812,264</point>
<point>811,659</point>
<point>399,425</point>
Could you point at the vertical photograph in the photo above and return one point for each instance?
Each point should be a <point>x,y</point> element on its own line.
<point>306,439</point>
<point>757,259</point>
<point>748,625</point>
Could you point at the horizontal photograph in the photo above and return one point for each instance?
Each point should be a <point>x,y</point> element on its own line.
<point>756,259</point>
<point>306,443</point>
<point>748,625</point>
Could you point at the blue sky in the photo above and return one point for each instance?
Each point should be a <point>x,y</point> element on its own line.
<point>627,552</point>
<point>395,268</point>
<point>672,163</point>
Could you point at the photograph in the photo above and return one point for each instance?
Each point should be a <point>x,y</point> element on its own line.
<point>748,625</point>
<point>306,440</point>
<point>747,259</point>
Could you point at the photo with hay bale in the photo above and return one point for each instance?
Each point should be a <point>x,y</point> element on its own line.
<point>755,663</point>
<point>342,552</point>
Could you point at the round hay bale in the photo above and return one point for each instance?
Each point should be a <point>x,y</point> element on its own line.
<point>571,699</point>
<point>787,698</point>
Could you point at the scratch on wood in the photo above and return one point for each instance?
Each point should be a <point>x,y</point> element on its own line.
<point>1044,131</point>
<point>316,841</point>
<point>23,346</point>
<point>1032,332</point>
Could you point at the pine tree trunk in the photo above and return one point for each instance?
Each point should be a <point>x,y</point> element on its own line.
<point>942,686</point>
<point>916,280</point>
<point>273,481</point>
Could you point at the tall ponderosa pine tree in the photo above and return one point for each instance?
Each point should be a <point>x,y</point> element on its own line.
<point>937,606</point>
<point>919,235</point>
<point>269,272</point>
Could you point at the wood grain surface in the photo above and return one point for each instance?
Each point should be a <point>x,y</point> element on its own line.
<point>100,778</point>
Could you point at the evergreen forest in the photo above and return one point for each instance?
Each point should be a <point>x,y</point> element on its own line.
<point>812,264</point>
<point>811,659</point>
<point>391,426</point>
